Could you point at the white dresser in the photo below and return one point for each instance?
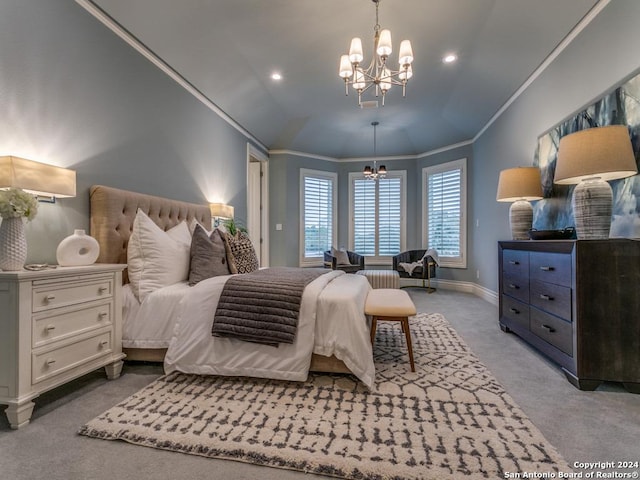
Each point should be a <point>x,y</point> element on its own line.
<point>56,325</point>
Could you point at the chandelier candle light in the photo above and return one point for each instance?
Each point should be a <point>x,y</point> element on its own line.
<point>373,173</point>
<point>377,75</point>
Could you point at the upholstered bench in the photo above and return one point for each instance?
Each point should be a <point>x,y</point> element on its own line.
<point>382,278</point>
<point>391,305</point>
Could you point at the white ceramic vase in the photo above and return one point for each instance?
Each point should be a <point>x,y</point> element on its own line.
<point>77,249</point>
<point>13,244</point>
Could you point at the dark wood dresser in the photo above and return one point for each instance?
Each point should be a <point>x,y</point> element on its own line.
<point>578,302</point>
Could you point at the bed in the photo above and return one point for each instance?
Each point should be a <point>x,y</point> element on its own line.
<point>170,325</point>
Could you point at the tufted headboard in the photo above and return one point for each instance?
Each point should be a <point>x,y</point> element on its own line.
<point>113,211</point>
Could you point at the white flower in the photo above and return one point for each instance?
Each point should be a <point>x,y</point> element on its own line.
<point>17,203</point>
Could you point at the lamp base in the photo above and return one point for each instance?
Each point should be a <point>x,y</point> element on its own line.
<point>592,205</point>
<point>520,219</point>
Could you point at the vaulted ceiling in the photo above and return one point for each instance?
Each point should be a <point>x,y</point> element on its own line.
<point>228,49</point>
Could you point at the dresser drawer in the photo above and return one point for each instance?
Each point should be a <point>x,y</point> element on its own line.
<point>515,263</point>
<point>516,286</point>
<point>551,298</point>
<point>49,363</point>
<point>53,295</point>
<point>68,322</point>
<point>515,311</point>
<point>551,267</point>
<point>553,330</point>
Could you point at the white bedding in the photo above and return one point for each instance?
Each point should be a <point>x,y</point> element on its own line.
<point>150,324</point>
<point>331,322</point>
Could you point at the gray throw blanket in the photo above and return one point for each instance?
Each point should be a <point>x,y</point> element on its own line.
<point>263,306</point>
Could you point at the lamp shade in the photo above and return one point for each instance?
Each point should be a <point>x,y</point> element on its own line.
<point>345,70</point>
<point>384,43</point>
<point>520,183</point>
<point>37,178</point>
<point>221,210</point>
<point>603,152</point>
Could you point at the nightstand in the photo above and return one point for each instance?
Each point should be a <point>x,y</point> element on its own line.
<point>56,325</point>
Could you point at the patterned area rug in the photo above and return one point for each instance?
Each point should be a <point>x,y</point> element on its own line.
<point>450,419</point>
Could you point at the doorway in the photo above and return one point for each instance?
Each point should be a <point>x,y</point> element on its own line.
<point>258,203</point>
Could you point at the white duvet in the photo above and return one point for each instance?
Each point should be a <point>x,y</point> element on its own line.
<point>150,324</point>
<point>331,322</point>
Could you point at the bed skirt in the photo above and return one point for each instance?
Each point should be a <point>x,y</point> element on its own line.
<point>319,363</point>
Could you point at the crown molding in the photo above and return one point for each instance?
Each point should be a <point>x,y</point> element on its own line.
<point>123,33</point>
<point>566,41</point>
<point>366,159</point>
<point>146,52</point>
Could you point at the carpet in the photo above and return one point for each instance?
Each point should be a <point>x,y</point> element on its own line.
<point>450,419</point>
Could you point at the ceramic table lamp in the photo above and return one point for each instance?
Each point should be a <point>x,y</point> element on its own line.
<point>589,158</point>
<point>520,185</point>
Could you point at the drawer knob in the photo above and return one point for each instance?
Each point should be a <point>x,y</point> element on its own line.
<point>50,361</point>
<point>547,269</point>
<point>101,315</point>
<point>49,328</point>
<point>103,289</point>
<point>548,328</point>
<point>514,310</point>
<point>514,262</point>
<point>49,298</point>
<point>103,343</point>
<point>545,297</point>
<point>514,286</point>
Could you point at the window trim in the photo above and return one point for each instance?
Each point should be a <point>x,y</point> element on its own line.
<point>451,262</point>
<point>333,178</point>
<point>378,259</point>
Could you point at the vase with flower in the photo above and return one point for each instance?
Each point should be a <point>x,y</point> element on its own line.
<point>16,205</point>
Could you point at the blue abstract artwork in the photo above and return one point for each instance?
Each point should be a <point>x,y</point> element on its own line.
<point>553,212</point>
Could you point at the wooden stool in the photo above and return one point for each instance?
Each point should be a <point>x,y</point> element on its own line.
<point>391,305</point>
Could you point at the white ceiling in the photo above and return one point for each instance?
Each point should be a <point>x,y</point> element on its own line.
<point>227,49</point>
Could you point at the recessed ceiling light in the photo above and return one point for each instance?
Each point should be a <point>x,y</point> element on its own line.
<point>276,76</point>
<point>450,58</point>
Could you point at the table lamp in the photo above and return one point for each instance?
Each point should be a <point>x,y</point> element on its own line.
<point>220,211</point>
<point>520,185</point>
<point>590,158</point>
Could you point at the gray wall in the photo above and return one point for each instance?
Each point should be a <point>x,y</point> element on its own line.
<point>284,205</point>
<point>75,95</point>
<point>284,175</point>
<point>601,57</point>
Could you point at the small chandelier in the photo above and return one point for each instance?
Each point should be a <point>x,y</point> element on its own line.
<point>377,75</point>
<point>374,173</point>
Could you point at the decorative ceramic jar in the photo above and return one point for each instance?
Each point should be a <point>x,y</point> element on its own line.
<point>77,249</point>
<point>13,244</point>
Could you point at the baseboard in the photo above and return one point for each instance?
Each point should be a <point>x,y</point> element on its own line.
<point>458,286</point>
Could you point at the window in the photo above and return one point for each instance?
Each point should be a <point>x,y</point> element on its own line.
<point>444,201</point>
<point>377,213</point>
<point>318,203</point>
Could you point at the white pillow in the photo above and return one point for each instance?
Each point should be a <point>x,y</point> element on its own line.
<point>342,258</point>
<point>156,258</point>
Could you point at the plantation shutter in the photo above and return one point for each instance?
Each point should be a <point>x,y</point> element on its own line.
<point>389,216</point>
<point>377,215</point>
<point>318,215</point>
<point>444,202</point>
<point>364,216</point>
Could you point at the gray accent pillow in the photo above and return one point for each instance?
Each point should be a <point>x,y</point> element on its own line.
<point>208,256</point>
<point>341,256</point>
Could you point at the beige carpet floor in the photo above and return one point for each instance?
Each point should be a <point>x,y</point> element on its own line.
<point>450,419</point>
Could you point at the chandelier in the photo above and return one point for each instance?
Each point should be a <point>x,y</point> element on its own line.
<point>374,173</point>
<point>377,75</point>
